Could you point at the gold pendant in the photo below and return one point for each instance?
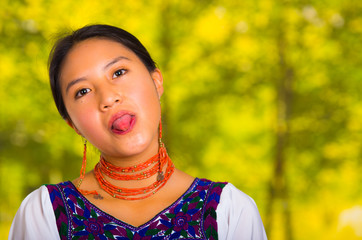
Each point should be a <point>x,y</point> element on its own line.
<point>160,176</point>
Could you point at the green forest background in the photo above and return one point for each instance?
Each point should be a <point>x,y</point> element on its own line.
<point>264,94</point>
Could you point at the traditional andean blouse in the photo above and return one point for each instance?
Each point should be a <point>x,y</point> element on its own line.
<point>207,210</point>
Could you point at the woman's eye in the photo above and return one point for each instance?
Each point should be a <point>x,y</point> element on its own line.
<point>118,73</point>
<point>82,92</point>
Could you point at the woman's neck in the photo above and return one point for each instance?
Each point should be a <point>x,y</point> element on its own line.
<point>132,160</point>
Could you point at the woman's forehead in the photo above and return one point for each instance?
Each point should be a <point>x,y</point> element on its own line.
<point>94,52</point>
<point>102,47</point>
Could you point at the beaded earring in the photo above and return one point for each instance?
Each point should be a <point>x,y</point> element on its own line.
<point>84,164</point>
<point>82,172</point>
<point>161,153</point>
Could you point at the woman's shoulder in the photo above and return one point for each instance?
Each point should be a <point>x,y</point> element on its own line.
<point>39,196</point>
<point>34,218</point>
<point>238,215</point>
<point>232,193</point>
<point>235,201</point>
<point>228,191</point>
<point>38,203</point>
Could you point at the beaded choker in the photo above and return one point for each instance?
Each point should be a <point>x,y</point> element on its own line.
<point>152,166</point>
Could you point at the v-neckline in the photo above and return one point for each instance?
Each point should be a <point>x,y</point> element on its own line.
<point>130,226</point>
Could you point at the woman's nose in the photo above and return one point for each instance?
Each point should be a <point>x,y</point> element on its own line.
<point>108,98</point>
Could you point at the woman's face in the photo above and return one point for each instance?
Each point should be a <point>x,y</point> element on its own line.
<point>111,98</point>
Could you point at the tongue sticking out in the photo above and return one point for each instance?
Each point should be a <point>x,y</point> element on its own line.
<point>123,123</point>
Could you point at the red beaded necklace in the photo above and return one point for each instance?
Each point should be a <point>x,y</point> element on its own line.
<point>141,171</point>
<point>104,168</point>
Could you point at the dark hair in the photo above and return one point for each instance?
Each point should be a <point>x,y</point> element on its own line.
<point>65,44</point>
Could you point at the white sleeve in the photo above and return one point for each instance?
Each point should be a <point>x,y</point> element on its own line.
<point>35,218</point>
<point>238,217</point>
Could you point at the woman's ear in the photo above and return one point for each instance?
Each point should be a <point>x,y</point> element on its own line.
<point>158,80</point>
<point>70,123</point>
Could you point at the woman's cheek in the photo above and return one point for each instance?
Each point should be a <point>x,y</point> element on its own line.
<point>85,120</point>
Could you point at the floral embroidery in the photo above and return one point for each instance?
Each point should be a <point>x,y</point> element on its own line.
<point>192,216</point>
<point>180,221</point>
<point>93,226</point>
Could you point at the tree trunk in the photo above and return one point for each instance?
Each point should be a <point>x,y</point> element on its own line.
<point>278,188</point>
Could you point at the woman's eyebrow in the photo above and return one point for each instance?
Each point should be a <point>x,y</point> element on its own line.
<point>117,59</point>
<point>70,84</point>
<point>113,61</point>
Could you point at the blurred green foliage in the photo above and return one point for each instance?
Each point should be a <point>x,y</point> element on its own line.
<point>264,94</point>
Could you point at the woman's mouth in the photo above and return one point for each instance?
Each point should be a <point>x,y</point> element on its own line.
<point>122,122</point>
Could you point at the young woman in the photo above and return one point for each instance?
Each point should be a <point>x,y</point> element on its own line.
<point>107,88</point>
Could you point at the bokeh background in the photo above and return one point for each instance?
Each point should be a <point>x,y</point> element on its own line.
<point>264,94</point>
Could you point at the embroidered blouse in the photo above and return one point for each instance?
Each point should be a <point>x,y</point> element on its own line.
<point>207,210</point>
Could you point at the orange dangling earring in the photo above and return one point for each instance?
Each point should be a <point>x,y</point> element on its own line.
<point>161,153</point>
<point>82,172</point>
<point>84,164</point>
